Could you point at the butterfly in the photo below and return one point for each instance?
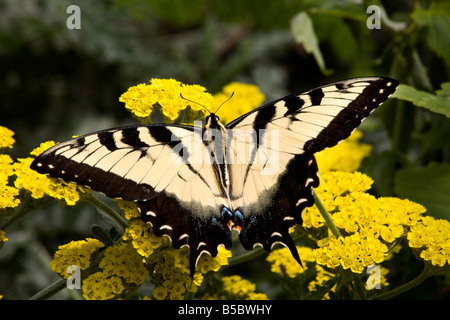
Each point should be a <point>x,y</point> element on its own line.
<point>195,184</point>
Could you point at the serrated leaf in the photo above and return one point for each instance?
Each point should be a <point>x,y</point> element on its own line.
<point>303,31</point>
<point>439,102</point>
<point>429,186</point>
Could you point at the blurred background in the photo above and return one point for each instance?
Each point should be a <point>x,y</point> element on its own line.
<point>56,82</point>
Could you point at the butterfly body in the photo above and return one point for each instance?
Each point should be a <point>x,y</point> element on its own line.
<point>195,184</point>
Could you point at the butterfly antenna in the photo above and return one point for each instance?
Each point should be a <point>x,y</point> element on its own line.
<point>195,103</point>
<point>232,94</point>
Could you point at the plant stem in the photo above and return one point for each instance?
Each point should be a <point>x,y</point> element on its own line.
<point>110,213</point>
<point>50,290</point>
<point>26,206</point>
<point>406,286</point>
<point>245,256</point>
<point>325,215</point>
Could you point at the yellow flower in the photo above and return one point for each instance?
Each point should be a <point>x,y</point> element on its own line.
<point>283,264</point>
<point>121,268</point>
<point>6,168</point>
<point>138,232</point>
<point>171,271</point>
<point>346,156</point>
<point>160,293</point>
<point>332,185</point>
<point>431,238</point>
<point>8,197</point>
<point>40,185</point>
<point>3,239</point>
<point>123,261</point>
<point>100,286</point>
<point>353,210</point>
<point>9,193</point>
<point>208,263</point>
<point>141,99</point>
<point>141,237</point>
<point>76,253</point>
<point>129,209</point>
<point>6,138</point>
<point>353,252</point>
<point>246,98</point>
<point>236,288</point>
<point>43,146</point>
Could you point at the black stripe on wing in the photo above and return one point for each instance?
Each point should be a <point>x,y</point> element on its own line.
<point>72,160</point>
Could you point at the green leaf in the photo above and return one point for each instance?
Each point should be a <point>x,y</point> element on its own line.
<point>381,168</point>
<point>437,20</point>
<point>429,186</point>
<point>439,102</point>
<point>303,31</point>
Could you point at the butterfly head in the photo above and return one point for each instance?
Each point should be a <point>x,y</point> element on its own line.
<point>212,121</point>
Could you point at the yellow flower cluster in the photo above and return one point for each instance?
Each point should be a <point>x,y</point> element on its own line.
<point>236,288</point>
<point>431,238</point>
<point>368,222</point>
<point>6,138</point>
<point>141,99</point>
<point>40,185</point>
<point>343,195</point>
<point>9,193</point>
<point>138,232</point>
<point>37,184</point>
<point>122,271</point>
<point>100,286</point>
<point>354,252</point>
<point>171,271</point>
<point>333,184</point>
<point>170,266</point>
<point>346,156</point>
<point>3,239</point>
<point>173,97</point>
<point>78,253</point>
<point>246,98</point>
<point>283,264</point>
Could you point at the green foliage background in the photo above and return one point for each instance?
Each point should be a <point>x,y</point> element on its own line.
<point>56,82</point>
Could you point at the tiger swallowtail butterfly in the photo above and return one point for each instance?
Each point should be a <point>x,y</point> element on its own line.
<point>195,184</point>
